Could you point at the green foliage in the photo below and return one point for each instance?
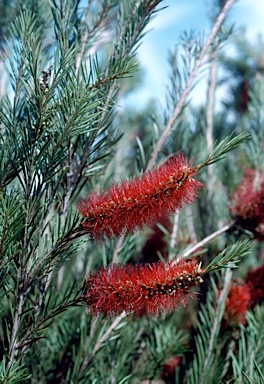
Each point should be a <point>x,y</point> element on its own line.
<point>208,361</point>
<point>217,152</point>
<point>229,257</point>
<point>15,374</point>
<point>247,361</point>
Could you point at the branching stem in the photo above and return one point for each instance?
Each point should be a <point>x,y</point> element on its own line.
<point>182,100</point>
<point>105,336</point>
<point>210,140</point>
<point>13,341</point>
<point>174,233</point>
<point>216,323</point>
<point>62,307</point>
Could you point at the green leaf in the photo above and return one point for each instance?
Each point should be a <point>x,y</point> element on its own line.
<point>229,257</point>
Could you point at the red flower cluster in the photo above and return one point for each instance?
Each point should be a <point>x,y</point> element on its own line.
<point>141,289</point>
<point>248,202</point>
<point>255,281</point>
<point>242,297</point>
<point>169,368</point>
<point>143,201</point>
<point>237,303</point>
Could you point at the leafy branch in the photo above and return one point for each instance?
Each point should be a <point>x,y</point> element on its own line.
<point>43,323</point>
<point>217,152</point>
<point>229,257</point>
<point>199,62</point>
<point>208,327</point>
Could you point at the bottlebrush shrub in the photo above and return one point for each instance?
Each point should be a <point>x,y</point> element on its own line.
<point>141,289</point>
<point>142,201</point>
<point>237,304</point>
<point>248,202</point>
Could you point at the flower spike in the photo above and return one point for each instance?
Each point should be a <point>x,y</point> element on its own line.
<point>248,203</point>
<point>142,289</point>
<point>140,202</point>
<point>237,304</point>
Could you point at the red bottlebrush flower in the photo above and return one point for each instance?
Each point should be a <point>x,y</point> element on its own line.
<point>255,281</point>
<point>168,369</point>
<point>141,289</point>
<point>237,303</point>
<point>140,202</point>
<point>248,202</point>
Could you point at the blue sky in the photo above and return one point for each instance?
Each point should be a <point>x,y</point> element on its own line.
<point>165,29</point>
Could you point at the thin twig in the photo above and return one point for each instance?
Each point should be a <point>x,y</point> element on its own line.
<point>16,324</point>
<point>107,333</point>
<point>216,323</point>
<point>206,240</point>
<point>22,271</point>
<point>72,234</point>
<point>189,82</point>
<point>59,309</point>
<point>190,224</point>
<point>210,101</point>
<point>99,26</point>
<point>210,140</point>
<point>102,340</point>
<point>117,249</point>
<point>174,234</point>
<point>231,349</point>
